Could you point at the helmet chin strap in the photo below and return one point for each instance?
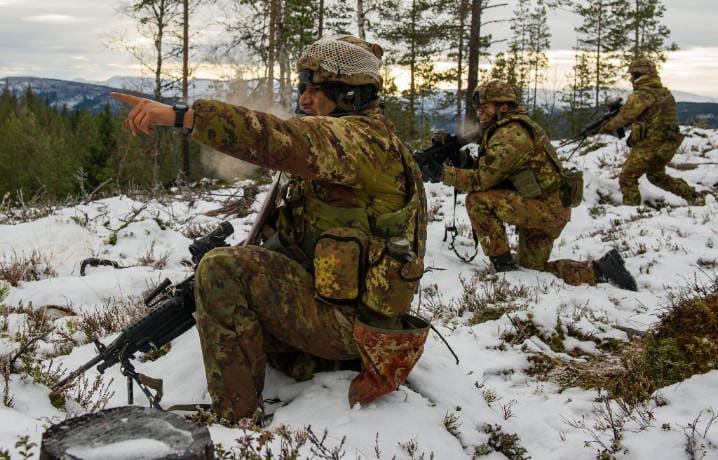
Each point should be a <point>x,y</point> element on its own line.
<point>348,99</point>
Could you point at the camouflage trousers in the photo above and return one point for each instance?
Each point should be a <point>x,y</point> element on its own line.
<point>650,158</point>
<point>256,306</point>
<point>538,221</point>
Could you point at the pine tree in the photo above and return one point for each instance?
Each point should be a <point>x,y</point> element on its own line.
<point>579,94</point>
<point>647,36</point>
<point>409,29</point>
<point>539,41</point>
<point>602,37</point>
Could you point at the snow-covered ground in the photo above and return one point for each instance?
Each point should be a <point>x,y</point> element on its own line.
<point>667,245</point>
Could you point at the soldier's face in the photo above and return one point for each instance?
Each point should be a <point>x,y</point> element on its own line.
<point>313,101</point>
<point>486,112</point>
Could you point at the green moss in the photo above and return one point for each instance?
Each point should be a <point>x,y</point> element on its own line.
<point>489,314</point>
<point>685,342</point>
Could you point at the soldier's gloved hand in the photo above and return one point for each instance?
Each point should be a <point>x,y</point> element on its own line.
<point>460,158</point>
<point>439,137</point>
<point>606,129</point>
<point>432,170</point>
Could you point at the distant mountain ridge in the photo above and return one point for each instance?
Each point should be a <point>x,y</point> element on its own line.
<point>91,95</point>
<point>692,108</point>
<point>74,95</point>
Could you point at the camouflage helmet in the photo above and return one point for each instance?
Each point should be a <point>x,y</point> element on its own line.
<point>643,66</point>
<point>493,91</point>
<point>341,59</point>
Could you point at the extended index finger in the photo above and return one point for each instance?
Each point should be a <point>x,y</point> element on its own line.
<point>129,98</point>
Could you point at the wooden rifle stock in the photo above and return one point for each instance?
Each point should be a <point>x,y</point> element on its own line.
<point>264,212</point>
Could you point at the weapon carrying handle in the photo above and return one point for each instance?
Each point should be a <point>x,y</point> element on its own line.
<point>163,285</point>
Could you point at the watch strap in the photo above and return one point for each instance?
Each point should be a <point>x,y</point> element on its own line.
<point>180,109</point>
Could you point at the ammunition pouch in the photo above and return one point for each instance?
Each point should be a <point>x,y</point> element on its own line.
<point>571,187</point>
<point>340,255</point>
<point>383,272</point>
<point>525,184</point>
<point>638,133</point>
<point>392,276</point>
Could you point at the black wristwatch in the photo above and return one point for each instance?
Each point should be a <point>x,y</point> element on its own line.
<point>180,109</point>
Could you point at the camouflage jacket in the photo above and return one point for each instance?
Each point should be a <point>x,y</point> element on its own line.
<point>354,162</point>
<point>513,144</point>
<point>650,110</point>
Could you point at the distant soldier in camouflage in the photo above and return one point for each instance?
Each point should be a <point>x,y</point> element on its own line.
<point>516,181</point>
<point>332,284</point>
<point>654,139</point>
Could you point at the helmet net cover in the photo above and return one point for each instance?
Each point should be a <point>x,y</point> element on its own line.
<point>344,59</point>
<point>494,91</point>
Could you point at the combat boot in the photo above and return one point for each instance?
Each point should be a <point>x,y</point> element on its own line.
<point>611,268</point>
<point>503,262</point>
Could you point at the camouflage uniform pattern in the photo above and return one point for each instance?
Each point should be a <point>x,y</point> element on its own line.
<point>255,305</point>
<point>513,144</point>
<point>655,138</point>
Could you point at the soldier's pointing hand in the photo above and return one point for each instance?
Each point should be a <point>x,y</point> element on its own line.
<point>146,113</point>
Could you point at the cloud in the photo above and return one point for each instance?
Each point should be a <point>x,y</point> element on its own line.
<point>52,19</point>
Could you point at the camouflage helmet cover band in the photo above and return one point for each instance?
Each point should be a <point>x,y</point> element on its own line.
<point>493,91</point>
<point>341,59</point>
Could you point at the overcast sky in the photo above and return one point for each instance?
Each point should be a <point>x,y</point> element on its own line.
<point>63,39</point>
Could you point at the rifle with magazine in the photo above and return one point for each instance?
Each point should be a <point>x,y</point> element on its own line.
<point>613,106</point>
<point>171,308</point>
<point>443,147</point>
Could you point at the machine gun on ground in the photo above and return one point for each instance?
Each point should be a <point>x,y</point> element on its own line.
<point>613,107</point>
<point>170,315</point>
<point>171,312</point>
<point>431,158</point>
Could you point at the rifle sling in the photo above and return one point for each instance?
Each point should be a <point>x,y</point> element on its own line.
<point>455,232</point>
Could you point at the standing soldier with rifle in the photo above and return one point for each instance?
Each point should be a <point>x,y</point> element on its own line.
<point>655,137</point>
<point>517,180</point>
<point>334,279</point>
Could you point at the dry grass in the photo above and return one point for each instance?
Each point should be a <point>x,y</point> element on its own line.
<point>22,267</point>
<point>239,207</point>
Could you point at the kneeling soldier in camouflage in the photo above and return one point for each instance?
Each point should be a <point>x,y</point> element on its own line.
<point>516,181</point>
<point>341,258</point>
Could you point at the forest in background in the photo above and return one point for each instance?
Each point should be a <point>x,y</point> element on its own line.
<point>50,152</point>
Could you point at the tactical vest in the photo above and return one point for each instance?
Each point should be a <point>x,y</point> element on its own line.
<point>355,257</point>
<point>543,170</point>
<point>660,120</point>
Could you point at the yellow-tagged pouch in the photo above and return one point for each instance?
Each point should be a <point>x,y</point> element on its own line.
<point>340,257</point>
<point>392,276</point>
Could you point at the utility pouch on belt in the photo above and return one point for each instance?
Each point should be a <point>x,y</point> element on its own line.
<point>638,133</point>
<point>340,258</point>
<point>392,277</point>
<point>525,183</point>
<point>571,187</point>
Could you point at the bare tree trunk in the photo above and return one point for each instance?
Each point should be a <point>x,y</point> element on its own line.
<point>360,19</point>
<point>272,47</point>
<point>460,67</point>
<point>185,83</point>
<point>474,54</point>
<point>320,20</point>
